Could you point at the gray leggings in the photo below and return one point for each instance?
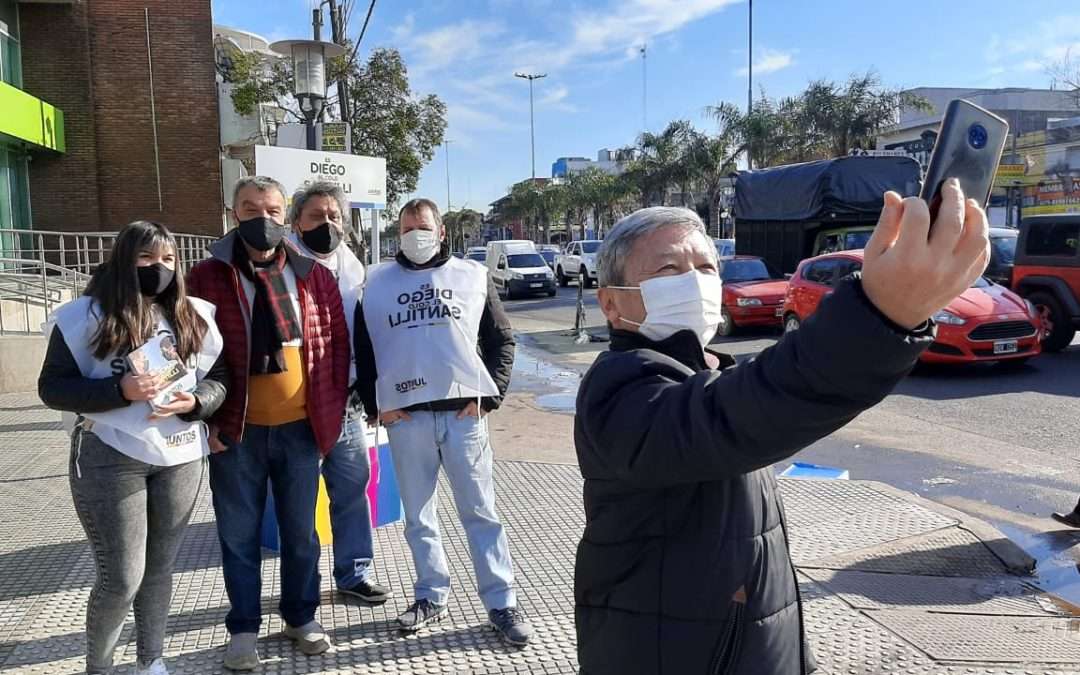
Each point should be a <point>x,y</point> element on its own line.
<point>134,515</point>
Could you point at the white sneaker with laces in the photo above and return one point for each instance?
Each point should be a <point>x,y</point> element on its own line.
<point>156,667</point>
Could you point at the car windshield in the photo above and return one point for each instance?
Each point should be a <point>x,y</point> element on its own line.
<point>590,247</point>
<point>1003,250</point>
<point>479,256</point>
<point>854,240</point>
<point>548,256</point>
<point>526,260</point>
<point>747,270</point>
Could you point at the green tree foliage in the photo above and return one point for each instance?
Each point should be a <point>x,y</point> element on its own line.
<point>388,119</point>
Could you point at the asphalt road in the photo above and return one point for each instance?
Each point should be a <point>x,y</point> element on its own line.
<point>1000,443</point>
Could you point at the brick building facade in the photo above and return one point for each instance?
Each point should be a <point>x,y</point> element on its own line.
<point>91,59</point>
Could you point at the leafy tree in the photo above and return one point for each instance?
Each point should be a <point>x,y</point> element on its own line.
<point>388,120</point>
<point>462,226</point>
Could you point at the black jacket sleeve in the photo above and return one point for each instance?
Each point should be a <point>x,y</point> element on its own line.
<point>644,420</point>
<point>496,344</point>
<point>61,385</point>
<point>210,392</point>
<point>364,353</point>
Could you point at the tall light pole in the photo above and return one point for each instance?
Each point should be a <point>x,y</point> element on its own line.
<point>446,146</point>
<point>532,120</point>
<point>644,91</point>
<point>750,75</point>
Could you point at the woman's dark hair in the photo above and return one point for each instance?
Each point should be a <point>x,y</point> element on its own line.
<point>127,319</point>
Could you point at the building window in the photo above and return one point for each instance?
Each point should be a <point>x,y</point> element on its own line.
<point>10,54</point>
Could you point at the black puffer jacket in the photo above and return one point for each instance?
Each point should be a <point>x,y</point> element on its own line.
<point>683,568</point>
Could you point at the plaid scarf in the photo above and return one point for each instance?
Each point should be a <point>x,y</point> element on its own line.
<point>273,320</point>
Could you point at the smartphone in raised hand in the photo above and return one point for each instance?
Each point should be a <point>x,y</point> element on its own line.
<point>969,146</point>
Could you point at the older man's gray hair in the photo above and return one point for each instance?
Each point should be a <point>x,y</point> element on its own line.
<point>319,189</point>
<point>614,252</point>
<point>261,183</point>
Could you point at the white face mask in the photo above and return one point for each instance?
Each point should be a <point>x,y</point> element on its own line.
<point>689,301</point>
<point>420,246</point>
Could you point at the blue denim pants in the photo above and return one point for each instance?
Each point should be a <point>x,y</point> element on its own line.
<point>288,457</point>
<point>347,470</point>
<point>460,446</point>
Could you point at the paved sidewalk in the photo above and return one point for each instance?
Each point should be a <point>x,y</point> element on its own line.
<point>891,583</point>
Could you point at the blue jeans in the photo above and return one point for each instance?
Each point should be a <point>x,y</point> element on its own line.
<point>347,470</point>
<point>419,447</point>
<point>288,457</point>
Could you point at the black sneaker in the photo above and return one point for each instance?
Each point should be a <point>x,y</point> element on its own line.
<point>420,614</point>
<point>1072,519</point>
<point>368,591</point>
<point>511,625</point>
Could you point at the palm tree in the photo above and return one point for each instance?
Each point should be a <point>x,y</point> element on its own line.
<point>711,161</point>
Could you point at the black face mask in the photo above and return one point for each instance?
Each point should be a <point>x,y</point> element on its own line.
<point>323,239</point>
<point>262,233</point>
<point>155,279</point>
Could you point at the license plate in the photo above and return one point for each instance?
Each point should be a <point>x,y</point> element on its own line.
<point>536,285</point>
<point>779,311</point>
<point>1005,347</point>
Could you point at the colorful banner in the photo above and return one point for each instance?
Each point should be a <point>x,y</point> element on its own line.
<point>30,119</point>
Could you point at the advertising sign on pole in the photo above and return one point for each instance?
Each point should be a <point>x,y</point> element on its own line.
<point>363,179</point>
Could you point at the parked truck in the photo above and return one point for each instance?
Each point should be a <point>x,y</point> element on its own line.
<point>786,214</point>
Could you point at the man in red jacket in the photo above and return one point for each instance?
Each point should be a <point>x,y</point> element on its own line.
<point>287,349</point>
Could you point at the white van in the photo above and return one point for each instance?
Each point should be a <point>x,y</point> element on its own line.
<point>518,269</point>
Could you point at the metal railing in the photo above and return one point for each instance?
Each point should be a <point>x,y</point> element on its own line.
<point>33,288</point>
<point>39,270</point>
<point>84,251</point>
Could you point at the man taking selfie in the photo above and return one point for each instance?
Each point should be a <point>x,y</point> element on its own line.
<point>684,565</point>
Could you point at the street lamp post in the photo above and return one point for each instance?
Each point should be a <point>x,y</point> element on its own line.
<point>446,146</point>
<point>532,123</point>
<point>309,76</point>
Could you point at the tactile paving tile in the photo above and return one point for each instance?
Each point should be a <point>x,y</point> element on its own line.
<point>867,590</point>
<point>951,552</point>
<point>1002,639</point>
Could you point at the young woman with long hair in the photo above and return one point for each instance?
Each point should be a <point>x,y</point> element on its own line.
<point>135,468</point>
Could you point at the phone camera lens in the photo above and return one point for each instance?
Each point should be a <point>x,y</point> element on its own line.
<point>977,136</point>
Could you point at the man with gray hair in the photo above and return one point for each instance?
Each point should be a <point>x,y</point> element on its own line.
<point>286,344</point>
<point>684,566</point>
<point>319,215</point>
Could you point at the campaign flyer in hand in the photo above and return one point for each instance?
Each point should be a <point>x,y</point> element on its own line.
<point>158,357</point>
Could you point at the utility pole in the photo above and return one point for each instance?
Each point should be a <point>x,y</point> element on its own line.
<point>532,120</point>
<point>337,29</point>
<point>750,75</point>
<point>644,91</point>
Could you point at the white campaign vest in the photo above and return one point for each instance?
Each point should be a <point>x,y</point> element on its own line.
<point>424,326</point>
<point>164,442</point>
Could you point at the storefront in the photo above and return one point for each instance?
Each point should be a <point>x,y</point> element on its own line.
<point>28,125</point>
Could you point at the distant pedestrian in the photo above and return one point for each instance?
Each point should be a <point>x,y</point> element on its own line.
<point>287,347</point>
<point>434,351</point>
<point>134,471</point>
<point>319,215</point>
<point>684,566</point>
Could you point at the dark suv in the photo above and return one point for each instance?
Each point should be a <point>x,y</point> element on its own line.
<point>1047,272</point>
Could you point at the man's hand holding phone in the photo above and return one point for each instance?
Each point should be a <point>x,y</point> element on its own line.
<point>910,270</point>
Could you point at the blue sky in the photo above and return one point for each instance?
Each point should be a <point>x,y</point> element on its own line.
<point>467,51</point>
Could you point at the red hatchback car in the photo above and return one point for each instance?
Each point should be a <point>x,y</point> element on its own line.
<point>753,293</point>
<point>986,323</point>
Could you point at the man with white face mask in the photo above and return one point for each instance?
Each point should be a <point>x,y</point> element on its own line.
<point>434,351</point>
<point>684,566</point>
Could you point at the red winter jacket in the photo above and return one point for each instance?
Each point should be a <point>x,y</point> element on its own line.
<point>326,339</point>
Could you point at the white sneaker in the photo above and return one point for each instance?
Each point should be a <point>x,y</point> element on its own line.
<point>156,667</point>
<point>311,638</point>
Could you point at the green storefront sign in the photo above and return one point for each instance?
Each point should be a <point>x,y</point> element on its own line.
<point>27,118</point>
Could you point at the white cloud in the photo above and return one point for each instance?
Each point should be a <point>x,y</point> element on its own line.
<point>769,61</point>
<point>454,43</point>
<point>1037,48</point>
<point>404,31</point>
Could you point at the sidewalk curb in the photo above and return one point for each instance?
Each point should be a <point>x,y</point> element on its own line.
<point>1015,559</point>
